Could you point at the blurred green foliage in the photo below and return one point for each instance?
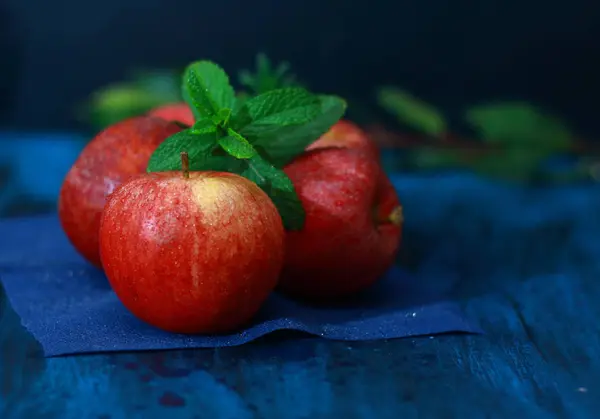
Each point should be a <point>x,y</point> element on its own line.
<point>520,124</point>
<point>412,111</point>
<point>144,90</point>
<point>267,76</point>
<point>148,89</point>
<point>513,140</point>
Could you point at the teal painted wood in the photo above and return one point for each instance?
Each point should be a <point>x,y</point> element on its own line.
<point>526,263</point>
<point>538,361</point>
<point>22,186</point>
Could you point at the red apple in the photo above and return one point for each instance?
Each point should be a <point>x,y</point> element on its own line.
<point>114,155</point>
<point>345,134</point>
<point>179,112</point>
<point>196,254</point>
<point>352,228</point>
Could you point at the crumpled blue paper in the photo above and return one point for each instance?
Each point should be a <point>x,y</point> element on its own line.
<point>69,307</point>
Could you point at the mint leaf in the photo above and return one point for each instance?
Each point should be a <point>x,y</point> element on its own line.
<point>274,112</point>
<point>285,146</point>
<point>206,88</point>
<point>188,99</point>
<point>198,146</point>
<point>222,117</point>
<point>231,153</point>
<point>243,135</point>
<point>280,189</point>
<point>203,126</point>
<point>203,150</point>
<point>236,145</point>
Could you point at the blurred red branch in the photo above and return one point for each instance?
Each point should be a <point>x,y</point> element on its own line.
<point>386,138</point>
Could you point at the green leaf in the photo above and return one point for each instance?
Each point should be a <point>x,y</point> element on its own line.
<point>188,99</point>
<point>206,88</point>
<point>236,145</point>
<point>244,134</point>
<point>222,118</point>
<point>203,126</point>
<point>519,124</point>
<point>280,189</point>
<point>198,146</point>
<point>206,153</point>
<point>274,112</point>
<point>412,111</point>
<point>266,77</point>
<point>240,99</point>
<point>285,146</point>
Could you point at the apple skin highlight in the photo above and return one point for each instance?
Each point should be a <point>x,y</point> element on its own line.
<point>113,156</point>
<point>346,134</point>
<point>178,112</point>
<point>353,224</point>
<point>195,252</point>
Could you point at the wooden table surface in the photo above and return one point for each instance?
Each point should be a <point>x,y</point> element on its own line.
<point>540,357</point>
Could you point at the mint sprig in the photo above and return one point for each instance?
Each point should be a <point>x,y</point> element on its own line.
<point>253,138</point>
<point>207,90</point>
<point>280,189</point>
<point>275,111</point>
<point>285,146</point>
<point>236,145</point>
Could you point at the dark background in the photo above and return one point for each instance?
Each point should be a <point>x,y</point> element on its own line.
<point>55,52</point>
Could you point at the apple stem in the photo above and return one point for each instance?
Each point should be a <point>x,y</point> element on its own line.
<point>185,164</point>
<point>396,217</point>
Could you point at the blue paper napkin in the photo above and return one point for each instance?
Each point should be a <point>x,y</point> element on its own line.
<point>69,307</point>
